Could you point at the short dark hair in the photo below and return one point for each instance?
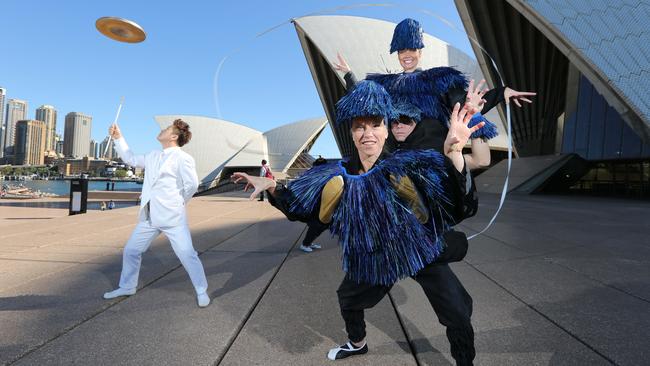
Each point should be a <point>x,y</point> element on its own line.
<point>263,161</point>
<point>182,129</point>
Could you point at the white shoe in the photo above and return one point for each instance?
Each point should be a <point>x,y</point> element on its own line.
<point>346,350</point>
<point>315,246</point>
<point>203,300</point>
<point>306,249</point>
<point>119,292</point>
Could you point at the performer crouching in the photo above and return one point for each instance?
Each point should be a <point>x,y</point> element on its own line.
<point>170,182</point>
<point>389,212</point>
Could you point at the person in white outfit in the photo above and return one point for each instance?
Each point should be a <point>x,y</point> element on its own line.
<point>170,182</point>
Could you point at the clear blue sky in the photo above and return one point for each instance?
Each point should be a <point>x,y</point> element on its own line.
<point>52,54</point>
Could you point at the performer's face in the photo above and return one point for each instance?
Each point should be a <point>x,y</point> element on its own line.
<point>369,135</point>
<point>167,135</point>
<point>409,59</point>
<point>402,128</point>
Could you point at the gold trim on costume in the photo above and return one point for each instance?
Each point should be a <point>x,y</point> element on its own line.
<point>406,191</point>
<point>330,198</point>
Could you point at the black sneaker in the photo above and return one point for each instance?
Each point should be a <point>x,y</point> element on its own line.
<point>346,350</point>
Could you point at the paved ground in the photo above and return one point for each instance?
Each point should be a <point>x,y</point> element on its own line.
<point>556,281</point>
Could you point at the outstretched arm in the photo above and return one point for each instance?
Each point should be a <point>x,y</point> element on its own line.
<point>342,65</point>
<point>480,156</point>
<point>517,96</point>
<point>259,184</point>
<point>123,148</point>
<point>488,98</point>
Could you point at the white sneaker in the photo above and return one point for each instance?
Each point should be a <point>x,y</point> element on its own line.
<point>203,300</point>
<point>346,350</point>
<point>315,246</point>
<point>119,292</point>
<point>306,249</point>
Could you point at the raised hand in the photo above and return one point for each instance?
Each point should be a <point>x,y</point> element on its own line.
<point>341,65</point>
<point>474,101</point>
<point>114,132</point>
<point>459,132</point>
<point>260,184</point>
<point>516,96</point>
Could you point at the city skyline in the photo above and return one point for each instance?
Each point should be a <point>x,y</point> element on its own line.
<point>17,110</point>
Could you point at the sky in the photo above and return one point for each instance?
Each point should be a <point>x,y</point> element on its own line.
<point>52,54</point>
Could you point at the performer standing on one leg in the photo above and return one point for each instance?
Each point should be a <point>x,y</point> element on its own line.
<point>170,182</point>
<point>434,91</point>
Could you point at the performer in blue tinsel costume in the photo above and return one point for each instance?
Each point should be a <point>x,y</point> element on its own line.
<point>389,212</point>
<point>435,91</point>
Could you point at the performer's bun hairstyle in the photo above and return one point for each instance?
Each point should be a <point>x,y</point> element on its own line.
<point>182,129</point>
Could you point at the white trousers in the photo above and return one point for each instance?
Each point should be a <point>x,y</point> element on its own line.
<point>181,241</point>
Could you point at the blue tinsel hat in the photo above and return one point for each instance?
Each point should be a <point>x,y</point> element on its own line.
<point>407,34</point>
<point>367,98</point>
<point>404,108</point>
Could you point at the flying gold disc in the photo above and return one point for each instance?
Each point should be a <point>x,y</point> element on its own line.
<point>120,29</point>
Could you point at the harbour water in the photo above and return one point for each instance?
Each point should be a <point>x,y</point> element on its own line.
<point>92,205</point>
<point>62,187</point>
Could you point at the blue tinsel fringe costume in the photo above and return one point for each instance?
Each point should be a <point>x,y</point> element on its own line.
<point>381,239</point>
<point>434,92</point>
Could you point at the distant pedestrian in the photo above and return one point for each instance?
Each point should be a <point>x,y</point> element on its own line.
<point>108,186</point>
<point>111,205</point>
<point>102,206</point>
<point>265,171</point>
<point>319,161</point>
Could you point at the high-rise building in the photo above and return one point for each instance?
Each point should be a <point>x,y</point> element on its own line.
<point>3,95</point>
<point>16,111</point>
<point>94,149</point>
<point>47,114</point>
<point>110,154</point>
<point>58,144</point>
<point>76,137</point>
<point>30,142</point>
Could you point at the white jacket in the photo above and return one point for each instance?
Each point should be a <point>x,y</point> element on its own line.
<point>170,181</point>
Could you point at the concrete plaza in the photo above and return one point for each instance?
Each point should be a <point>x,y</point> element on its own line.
<point>555,281</point>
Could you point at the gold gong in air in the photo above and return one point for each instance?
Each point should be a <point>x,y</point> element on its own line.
<point>120,29</point>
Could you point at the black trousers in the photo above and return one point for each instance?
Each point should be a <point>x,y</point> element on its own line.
<point>314,229</point>
<point>456,247</point>
<point>447,296</point>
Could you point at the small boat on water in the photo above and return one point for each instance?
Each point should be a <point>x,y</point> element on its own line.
<point>18,192</point>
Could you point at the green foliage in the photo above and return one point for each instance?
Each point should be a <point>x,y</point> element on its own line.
<point>120,173</point>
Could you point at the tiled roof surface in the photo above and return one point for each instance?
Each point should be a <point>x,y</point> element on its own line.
<point>612,35</point>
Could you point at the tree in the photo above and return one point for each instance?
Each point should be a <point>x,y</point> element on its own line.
<point>120,173</point>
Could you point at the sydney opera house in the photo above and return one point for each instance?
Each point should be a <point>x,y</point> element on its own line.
<point>588,130</point>
<point>221,147</point>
